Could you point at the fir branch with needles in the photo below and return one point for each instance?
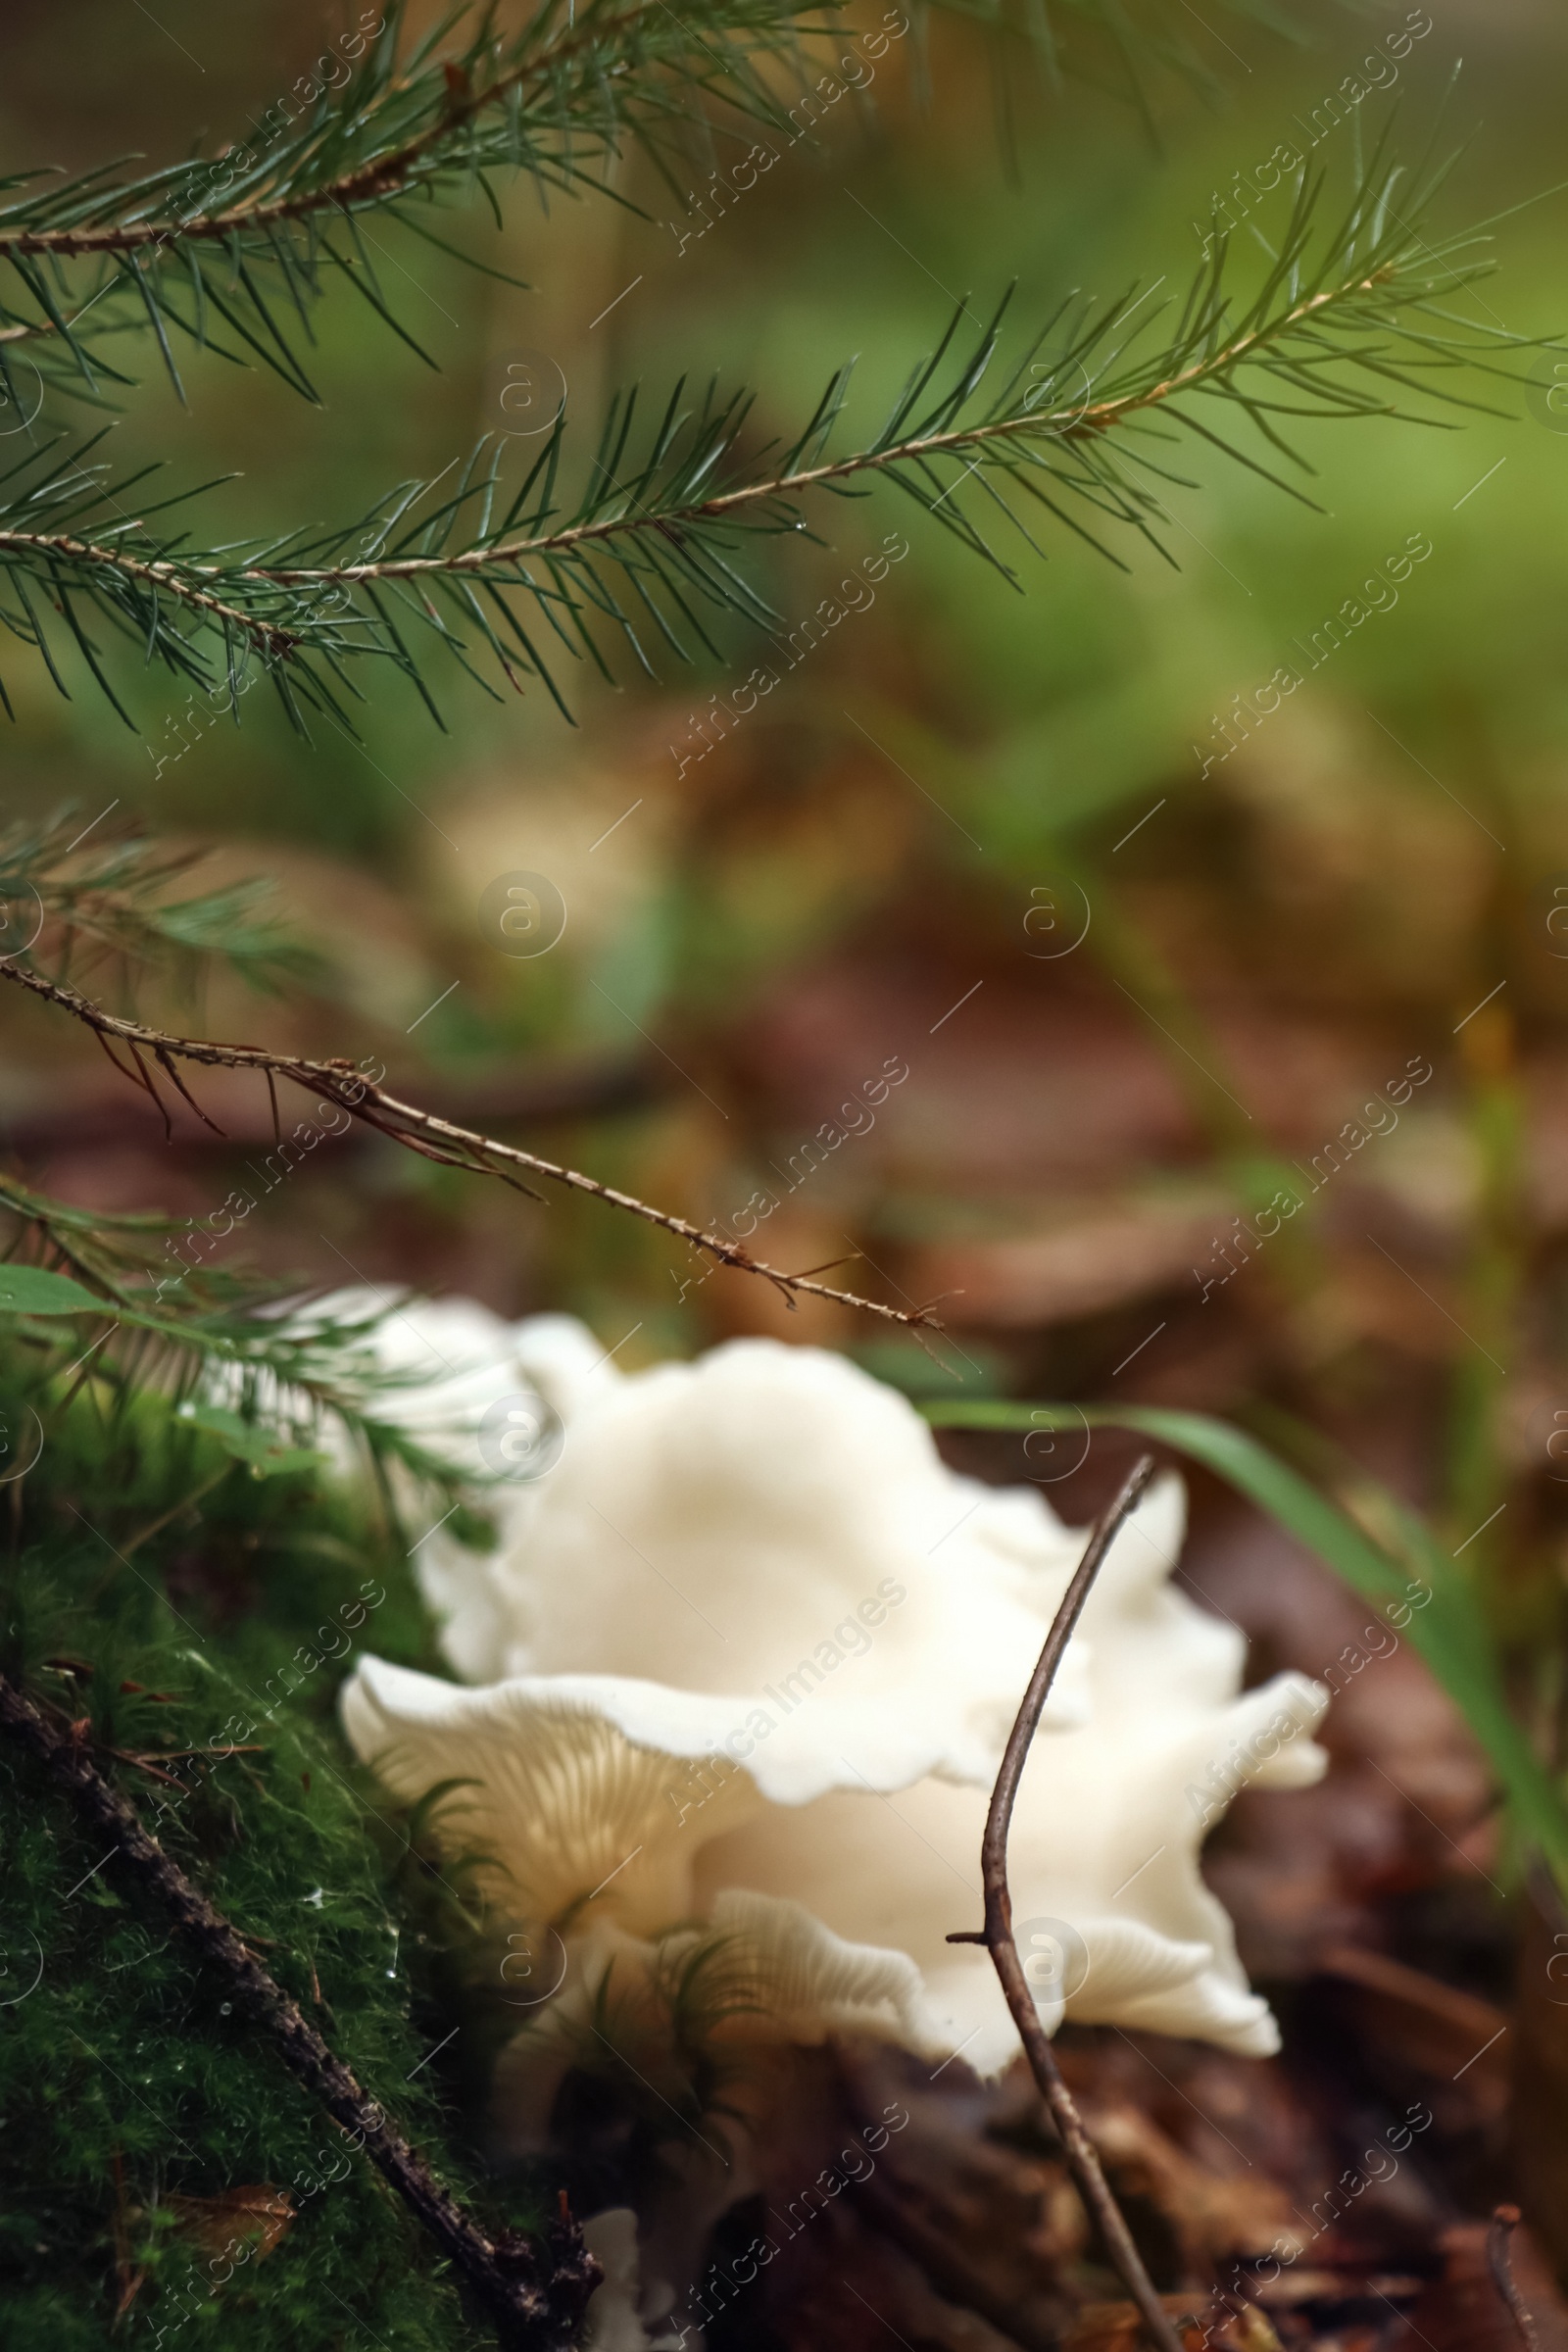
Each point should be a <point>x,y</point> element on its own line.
<point>230,252</point>
<point>95,892</point>
<point>244,1357</point>
<point>1081,426</point>
<point>240,246</point>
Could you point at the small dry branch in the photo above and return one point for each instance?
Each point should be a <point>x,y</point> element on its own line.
<point>997,1934</point>
<point>1505,2222</point>
<point>420,1131</point>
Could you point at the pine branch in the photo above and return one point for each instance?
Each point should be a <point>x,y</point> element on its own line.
<point>535,2307</point>
<point>437,103</point>
<point>421,1131</point>
<point>244,238</point>
<point>1082,425</point>
<point>107,890</point>
<point>238,242</point>
<point>240,1365</point>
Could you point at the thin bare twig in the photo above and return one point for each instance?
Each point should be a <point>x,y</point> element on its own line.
<point>1505,2222</point>
<point>421,1131</point>
<point>997,1934</point>
<point>535,2307</point>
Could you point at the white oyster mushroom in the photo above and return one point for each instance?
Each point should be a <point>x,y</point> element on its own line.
<point>1115,1922</point>
<point>456,1367</point>
<point>768,1525</point>
<point>756,1651</point>
<point>770,1520</point>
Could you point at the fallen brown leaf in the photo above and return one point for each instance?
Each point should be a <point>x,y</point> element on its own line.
<point>262,2214</point>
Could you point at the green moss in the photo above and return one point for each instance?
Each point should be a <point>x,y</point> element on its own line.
<point>156,1588</point>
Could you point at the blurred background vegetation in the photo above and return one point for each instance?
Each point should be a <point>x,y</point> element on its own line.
<point>976,831</point>
<point>979,833</point>
<point>770,921</point>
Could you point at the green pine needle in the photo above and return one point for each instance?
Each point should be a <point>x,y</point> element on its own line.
<point>1082,425</point>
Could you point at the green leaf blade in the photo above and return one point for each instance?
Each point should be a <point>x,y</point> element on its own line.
<point>35,1291</point>
<point>1447,1629</point>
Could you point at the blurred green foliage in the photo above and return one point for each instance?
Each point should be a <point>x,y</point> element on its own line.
<point>1383,854</point>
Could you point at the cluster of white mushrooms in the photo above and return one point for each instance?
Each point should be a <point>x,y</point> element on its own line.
<point>744,1661</point>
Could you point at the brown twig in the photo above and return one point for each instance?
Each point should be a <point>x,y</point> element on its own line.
<point>997,1934</point>
<point>536,2306</point>
<point>421,1131</point>
<point>1505,2222</point>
